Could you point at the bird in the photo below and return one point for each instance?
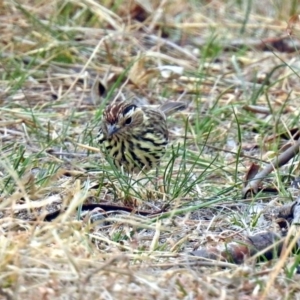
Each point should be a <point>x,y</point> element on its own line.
<point>135,136</point>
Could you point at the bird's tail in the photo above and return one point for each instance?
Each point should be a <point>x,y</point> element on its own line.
<point>171,107</point>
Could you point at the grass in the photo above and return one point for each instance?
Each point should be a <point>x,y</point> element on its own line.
<point>56,58</point>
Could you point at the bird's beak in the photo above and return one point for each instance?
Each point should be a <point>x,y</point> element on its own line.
<point>111,129</point>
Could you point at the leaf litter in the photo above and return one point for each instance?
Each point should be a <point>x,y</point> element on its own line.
<point>73,226</point>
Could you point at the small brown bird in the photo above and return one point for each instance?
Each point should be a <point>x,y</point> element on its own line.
<point>135,137</point>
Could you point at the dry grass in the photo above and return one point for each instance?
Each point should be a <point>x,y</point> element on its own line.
<point>211,54</point>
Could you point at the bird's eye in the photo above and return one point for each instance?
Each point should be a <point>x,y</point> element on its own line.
<point>128,109</point>
<point>128,121</point>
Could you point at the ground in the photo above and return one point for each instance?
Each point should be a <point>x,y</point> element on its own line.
<point>75,227</point>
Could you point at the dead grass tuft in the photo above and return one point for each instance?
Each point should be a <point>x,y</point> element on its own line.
<point>235,63</point>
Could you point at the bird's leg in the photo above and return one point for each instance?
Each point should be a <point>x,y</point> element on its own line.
<point>156,177</point>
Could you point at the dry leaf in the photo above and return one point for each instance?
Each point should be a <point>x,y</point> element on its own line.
<point>139,75</point>
<point>170,71</point>
<point>293,25</point>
